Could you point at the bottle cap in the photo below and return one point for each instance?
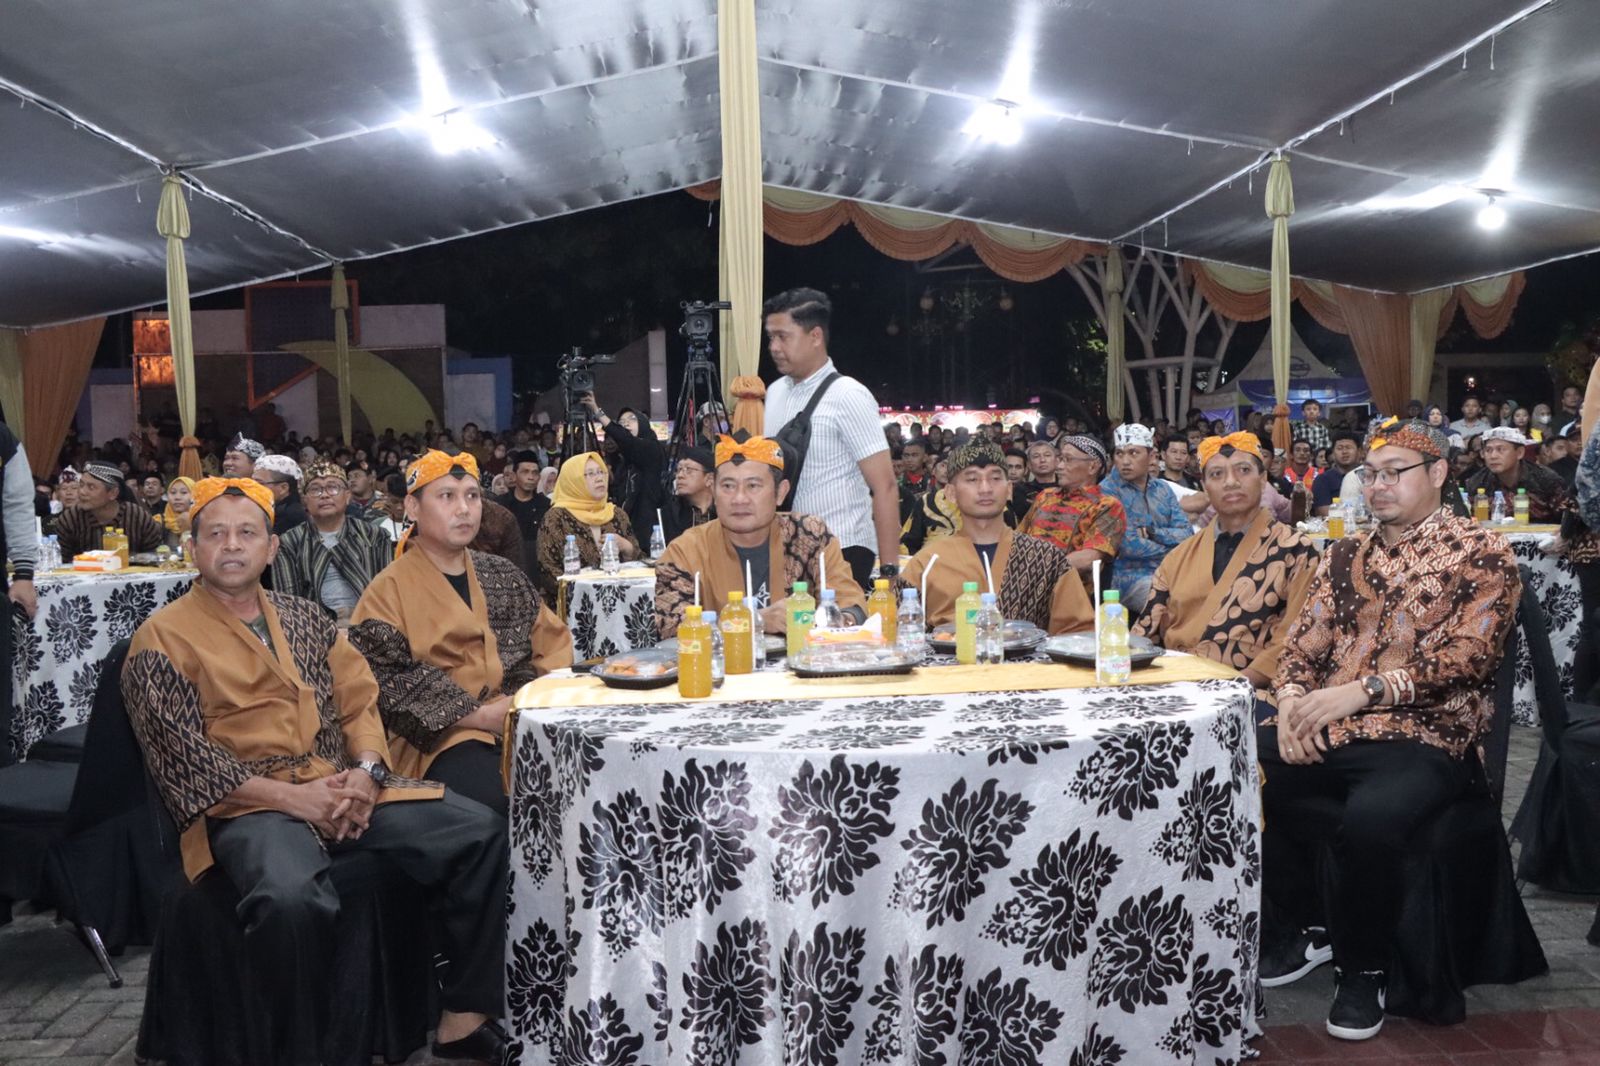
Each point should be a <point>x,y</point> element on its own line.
<point>881,583</point>
<point>709,617</point>
<point>1111,596</point>
<point>908,595</point>
<point>1338,499</point>
<point>735,596</point>
<point>571,537</point>
<point>827,594</point>
<point>1522,492</point>
<point>987,599</point>
<point>691,613</point>
<point>800,586</point>
<point>969,586</point>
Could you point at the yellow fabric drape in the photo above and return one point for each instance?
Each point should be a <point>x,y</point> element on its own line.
<point>1280,205</point>
<point>1488,304</point>
<point>750,405</point>
<point>341,348</point>
<point>172,222</point>
<point>1426,311</point>
<point>1115,338</point>
<point>11,381</point>
<point>55,367</point>
<point>801,218</point>
<point>740,233</point>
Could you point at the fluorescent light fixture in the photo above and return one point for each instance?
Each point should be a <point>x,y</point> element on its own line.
<point>32,236</point>
<point>1426,200</point>
<point>1492,216</point>
<point>453,132</point>
<point>996,121</point>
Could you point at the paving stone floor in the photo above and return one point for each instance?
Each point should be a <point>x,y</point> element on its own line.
<point>55,1008</point>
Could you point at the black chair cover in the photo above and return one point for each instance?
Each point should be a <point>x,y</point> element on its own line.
<point>1559,820</point>
<point>108,870</point>
<point>64,745</point>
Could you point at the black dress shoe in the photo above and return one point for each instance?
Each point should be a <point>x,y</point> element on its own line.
<point>486,1043</point>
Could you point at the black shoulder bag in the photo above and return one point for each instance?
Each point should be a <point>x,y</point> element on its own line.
<point>796,435</point>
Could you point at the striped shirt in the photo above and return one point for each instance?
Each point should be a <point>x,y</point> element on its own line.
<point>845,429</point>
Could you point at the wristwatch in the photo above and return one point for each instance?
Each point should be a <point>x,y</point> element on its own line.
<point>889,570</point>
<point>1375,689</point>
<point>375,770</point>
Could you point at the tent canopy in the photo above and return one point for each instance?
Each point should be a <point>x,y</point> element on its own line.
<point>319,132</point>
<point>1309,379</point>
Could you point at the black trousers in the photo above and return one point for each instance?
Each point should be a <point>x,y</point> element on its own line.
<point>1388,789</point>
<point>860,560</point>
<point>288,902</point>
<point>472,768</point>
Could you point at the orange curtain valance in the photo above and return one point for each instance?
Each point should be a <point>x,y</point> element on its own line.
<point>797,218</point>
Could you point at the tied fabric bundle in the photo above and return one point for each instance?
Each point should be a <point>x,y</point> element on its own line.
<point>208,489</point>
<point>434,464</point>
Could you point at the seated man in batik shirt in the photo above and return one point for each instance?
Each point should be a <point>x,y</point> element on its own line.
<point>749,532</point>
<point>451,634</point>
<point>259,724</point>
<point>1075,514</point>
<point>1034,577</point>
<point>1230,591</point>
<point>1385,688</point>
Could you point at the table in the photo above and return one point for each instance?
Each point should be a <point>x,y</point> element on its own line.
<point>608,613</point>
<point>967,866</point>
<point>1555,584</point>
<point>56,658</point>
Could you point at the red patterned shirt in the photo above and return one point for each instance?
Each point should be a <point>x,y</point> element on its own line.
<point>1077,519</point>
<point>1429,614</point>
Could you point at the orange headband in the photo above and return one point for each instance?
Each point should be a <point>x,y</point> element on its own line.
<point>208,489</point>
<point>434,465</point>
<point>756,449</point>
<point>1248,443</point>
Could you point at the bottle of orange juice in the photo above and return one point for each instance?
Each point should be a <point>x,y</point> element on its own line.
<point>1336,519</point>
<point>738,625</point>
<point>881,603</point>
<point>694,656</point>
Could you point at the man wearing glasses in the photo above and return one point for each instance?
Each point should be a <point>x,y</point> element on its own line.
<point>1384,689</point>
<point>331,558</point>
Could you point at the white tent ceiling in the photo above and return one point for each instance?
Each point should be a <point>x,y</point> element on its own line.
<point>304,129</point>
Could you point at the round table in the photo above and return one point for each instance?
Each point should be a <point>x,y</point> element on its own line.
<point>608,613</point>
<point>56,658</point>
<point>789,875</point>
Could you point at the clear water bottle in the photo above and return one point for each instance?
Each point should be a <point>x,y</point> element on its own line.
<point>758,639</point>
<point>1497,511</point>
<point>610,561</point>
<point>991,630</point>
<point>911,636</point>
<point>571,561</point>
<point>718,664</point>
<point>1111,665</point>
<point>658,542</point>
<point>829,616</point>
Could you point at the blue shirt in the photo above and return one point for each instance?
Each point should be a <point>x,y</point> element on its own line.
<point>1156,525</point>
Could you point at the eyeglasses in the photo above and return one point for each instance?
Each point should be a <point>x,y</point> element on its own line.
<point>317,491</point>
<point>1389,475</point>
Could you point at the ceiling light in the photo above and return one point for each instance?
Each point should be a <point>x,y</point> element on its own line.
<point>454,132</point>
<point>1492,216</point>
<point>995,121</point>
<point>32,236</point>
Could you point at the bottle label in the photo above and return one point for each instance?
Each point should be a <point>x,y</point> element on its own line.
<point>690,647</point>
<point>805,618</point>
<point>970,615</point>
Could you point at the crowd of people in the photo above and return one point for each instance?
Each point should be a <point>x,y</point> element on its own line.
<point>376,606</point>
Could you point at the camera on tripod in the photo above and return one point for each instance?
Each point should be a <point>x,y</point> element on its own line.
<point>576,374</point>
<point>699,320</point>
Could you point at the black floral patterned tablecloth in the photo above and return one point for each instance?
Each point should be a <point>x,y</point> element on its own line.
<point>996,879</point>
<point>56,659</point>
<point>608,615</point>
<point>1555,584</point>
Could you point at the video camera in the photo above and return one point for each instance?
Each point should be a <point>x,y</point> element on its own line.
<point>576,374</point>
<point>699,321</point>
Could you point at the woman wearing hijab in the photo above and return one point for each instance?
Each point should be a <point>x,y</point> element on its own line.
<point>174,518</point>
<point>580,508</point>
<point>547,481</point>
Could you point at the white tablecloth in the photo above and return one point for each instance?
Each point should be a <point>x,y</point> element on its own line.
<point>608,615</point>
<point>994,879</point>
<point>56,660</point>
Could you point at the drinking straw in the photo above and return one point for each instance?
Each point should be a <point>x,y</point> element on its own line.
<point>988,572</point>
<point>1097,604</point>
<point>925,572</point>
<point>822,574</point>
<point>659,523</point>
<point>749,591</point>
<point>697,585</point>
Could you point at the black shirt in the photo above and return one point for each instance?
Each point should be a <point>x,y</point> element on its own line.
<point>462,586</point>
<point>529,512</point>
<point>1222,552</point>
<point>757,559</point>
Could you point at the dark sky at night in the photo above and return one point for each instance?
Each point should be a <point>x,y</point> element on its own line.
<point>602,277</point>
